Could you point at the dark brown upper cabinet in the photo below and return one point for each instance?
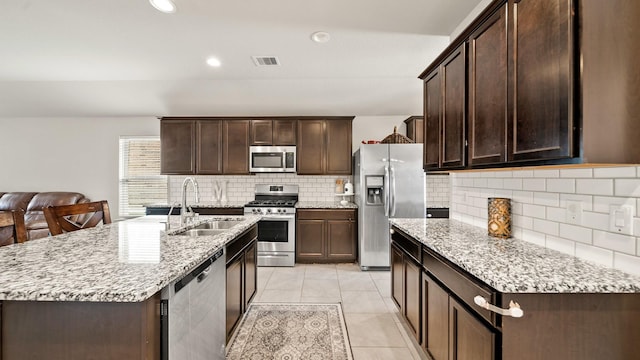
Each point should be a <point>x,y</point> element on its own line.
<point>415,126</point>
<point>541,77</point>
<point>273,132</point>
<point>445,113</point>
<point>324,146</point>
<point>487,106</point>
<point>177,147</point>
<point>204,146</point>
<point>235,149</point>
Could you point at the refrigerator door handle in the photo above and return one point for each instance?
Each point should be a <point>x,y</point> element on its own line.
<point>386,191</point>
<point>392,190</point>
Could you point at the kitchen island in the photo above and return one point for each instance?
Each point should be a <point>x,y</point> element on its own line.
<point>450,278</point>
<point>95,293</point>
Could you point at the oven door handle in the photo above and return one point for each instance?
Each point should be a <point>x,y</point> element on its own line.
<point>276,218</point>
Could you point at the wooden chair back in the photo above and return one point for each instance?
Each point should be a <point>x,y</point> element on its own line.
<point>15,218</point>
<point>61,219</point>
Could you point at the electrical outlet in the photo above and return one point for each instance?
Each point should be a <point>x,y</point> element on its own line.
<point>574,212</point>
<point>621,219</point>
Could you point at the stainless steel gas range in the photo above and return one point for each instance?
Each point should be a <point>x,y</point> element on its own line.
<point>277,228</point>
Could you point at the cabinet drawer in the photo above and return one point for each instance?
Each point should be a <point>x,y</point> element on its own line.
<point>326,214</point>
<point>460,285</point>
<point>407,243</point>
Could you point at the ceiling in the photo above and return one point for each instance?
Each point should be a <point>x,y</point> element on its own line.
<point>124,58</point>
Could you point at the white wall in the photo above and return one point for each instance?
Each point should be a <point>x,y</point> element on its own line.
<point>67,154</point>
<point>469,19</point>
<point>539,200</point>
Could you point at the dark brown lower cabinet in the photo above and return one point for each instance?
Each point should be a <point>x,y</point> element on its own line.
<point>435,318</point>
<point>241,279</point>
<point>81,330</point>
<point>468,337</point>
<point>405,287</point>
<point>326,235</point>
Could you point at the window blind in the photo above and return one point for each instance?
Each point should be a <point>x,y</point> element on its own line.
<point>140,180</point>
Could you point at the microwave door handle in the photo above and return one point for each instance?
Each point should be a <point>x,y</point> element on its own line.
<point>284,160</point>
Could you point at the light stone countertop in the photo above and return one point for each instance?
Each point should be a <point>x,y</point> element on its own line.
<point>324,205</point>
<point>126,261</point>
<point>513,265</point>
<point>201,205</point>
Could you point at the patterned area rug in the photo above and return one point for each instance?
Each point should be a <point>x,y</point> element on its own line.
<point>291,332</point>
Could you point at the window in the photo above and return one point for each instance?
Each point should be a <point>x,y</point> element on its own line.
<point>140,180</point>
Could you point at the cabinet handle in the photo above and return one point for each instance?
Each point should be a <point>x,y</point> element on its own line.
<point>513,310</point>
<point>391,231</point>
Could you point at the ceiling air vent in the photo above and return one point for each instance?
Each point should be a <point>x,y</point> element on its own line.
<point>265,60</point>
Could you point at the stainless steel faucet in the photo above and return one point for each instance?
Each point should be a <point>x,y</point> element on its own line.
<point>186,213</point>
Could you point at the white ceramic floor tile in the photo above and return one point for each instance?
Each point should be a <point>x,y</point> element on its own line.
<point>285,281</point>
<point>321,272</point>
<point>320,288</point>
<point>356,281</point>
<point>373,330</point>
<point>379,274</point>
<point>381,353</point>
<point>383,286</point>
<point>279,296</point>
<point>363,302</point>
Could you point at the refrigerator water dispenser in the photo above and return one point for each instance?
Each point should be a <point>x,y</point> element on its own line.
<point>375,189</point>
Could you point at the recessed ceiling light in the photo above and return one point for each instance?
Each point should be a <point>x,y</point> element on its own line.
<point>166,6</point>
<point>320,36</point>
<point>214,62</point>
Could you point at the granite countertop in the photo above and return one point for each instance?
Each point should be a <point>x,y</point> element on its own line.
<point>513,265</point>
<point>126,261</point>
<point>324,205</point>
<point>201,205</point>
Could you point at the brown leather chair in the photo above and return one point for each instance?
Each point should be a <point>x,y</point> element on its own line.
<point>15,219</point>
<point>66,218</point>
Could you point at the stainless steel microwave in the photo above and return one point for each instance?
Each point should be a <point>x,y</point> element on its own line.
<point>272,159</point>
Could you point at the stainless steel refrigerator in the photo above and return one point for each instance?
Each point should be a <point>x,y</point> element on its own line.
<point>388,183</point>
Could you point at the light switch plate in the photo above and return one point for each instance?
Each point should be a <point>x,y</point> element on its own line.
<point>574,212</point>
<point>621,219</point>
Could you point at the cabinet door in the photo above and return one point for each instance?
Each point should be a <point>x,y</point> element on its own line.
<point>284,132</point>
<point>436,310</point>
<point>454,72</point>
<point>236,147</point>
<point>261,132</point>
<point>397,276</point>
<point>250,274</point>
<point>234,293</point>
<point>310,240</point>
<point>412,295</point>
<point>415,132</point>
<point>177,147</point>
<point>311,151</point>
<point>432,107</point>
<point>209,147</point>
<point>541,58</point>
<point>341,240</point>
<point>468,337</point>
<point>338,137</point>
<point>488,90</point>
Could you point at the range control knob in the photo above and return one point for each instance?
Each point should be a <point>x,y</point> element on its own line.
<point>268,211</point>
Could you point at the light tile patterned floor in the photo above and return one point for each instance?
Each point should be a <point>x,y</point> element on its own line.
<point>376,330</point>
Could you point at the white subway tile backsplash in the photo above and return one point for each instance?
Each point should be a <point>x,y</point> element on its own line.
<point>534,184</point>
<point>594,186</point>
<point>615,172</point>
<point>626,263</point>
<point>627,187</point>
<point>597,255</point>
<point>615,242</point>
<point>562,245</point>
<point>546,226</point>
<point>547,199</point>
<point>539,208</point>
<point>546,173</point>
<point>535,211</point>
<point>576,233</point>
<point>561,185</point>
<point>576,173</point>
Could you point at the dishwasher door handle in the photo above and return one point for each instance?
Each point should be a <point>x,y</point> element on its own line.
<point>203,275</point>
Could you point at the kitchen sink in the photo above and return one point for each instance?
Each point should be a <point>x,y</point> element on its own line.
<point>213,225</point>
<point>202,232</point>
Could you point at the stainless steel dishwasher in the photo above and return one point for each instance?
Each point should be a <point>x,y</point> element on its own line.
<point>193,313</point>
